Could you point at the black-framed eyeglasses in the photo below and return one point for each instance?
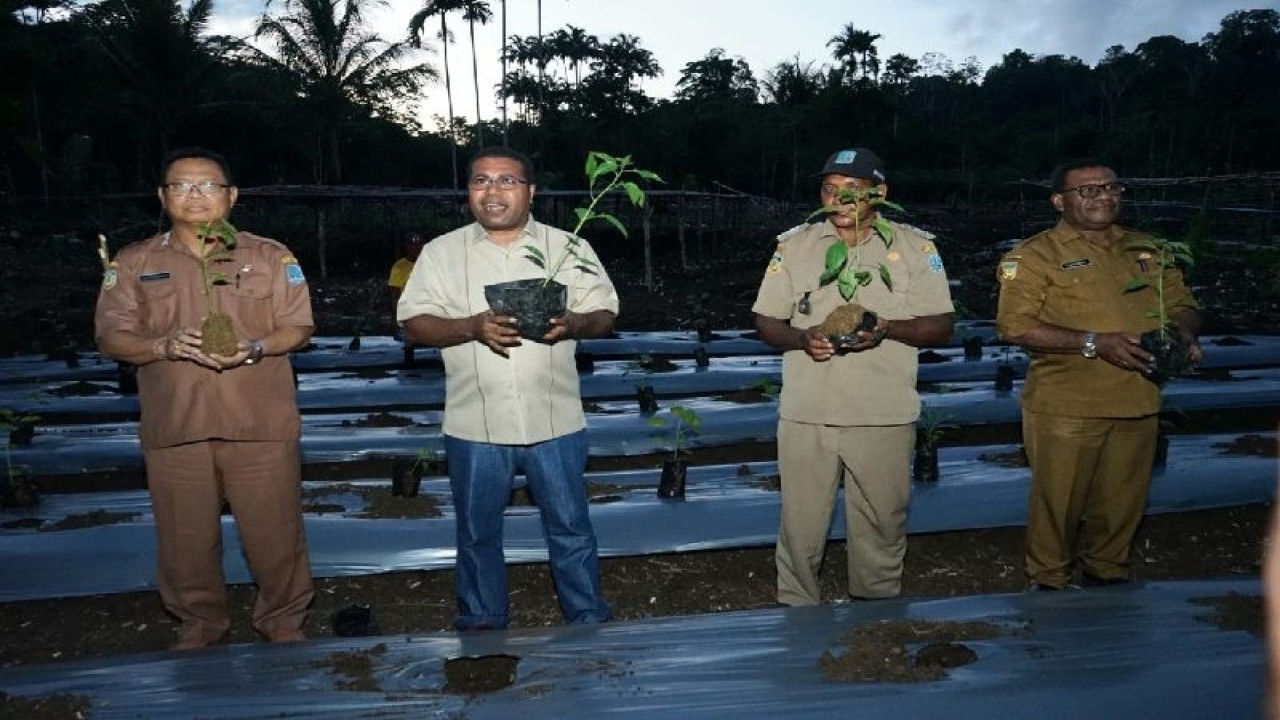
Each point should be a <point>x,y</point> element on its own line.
<point>205,187</point>
<point>506,182</point>
<point>1093,190</point>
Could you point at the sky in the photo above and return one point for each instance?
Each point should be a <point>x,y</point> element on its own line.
<point>767,32</point>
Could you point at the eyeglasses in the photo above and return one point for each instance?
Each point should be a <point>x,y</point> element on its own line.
<point>205,188</point>
<point>506,182</point>
<point>1091,191</point>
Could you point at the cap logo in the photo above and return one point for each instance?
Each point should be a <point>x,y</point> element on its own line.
<point>845,157</point>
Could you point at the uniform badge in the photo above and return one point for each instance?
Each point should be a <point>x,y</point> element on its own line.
<point>928,248</point>
<point>935,263</point>
<point>1008,269</point>
<point>293,271</point>
<point>110,277</point>
<point>893,256</point>
<point>1144,263</point>
<point>775,262</point>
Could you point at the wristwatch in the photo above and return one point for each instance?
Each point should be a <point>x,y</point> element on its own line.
<point>1089,348</point>
<point>256,351</point>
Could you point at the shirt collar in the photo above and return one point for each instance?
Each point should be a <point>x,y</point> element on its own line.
<point>1066,234</point>
<point>477,234</point>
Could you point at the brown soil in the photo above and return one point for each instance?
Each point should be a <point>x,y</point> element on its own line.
<point>881,651</point>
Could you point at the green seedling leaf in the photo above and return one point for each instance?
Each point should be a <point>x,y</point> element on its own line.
<point>885,277</point>
<point>635,193</point>
<point>614,222</point>
<point>847,289</point>
<point>1135,286</point>
<point>837,257</point>
<point>884,229</point>
<point>606,166</point>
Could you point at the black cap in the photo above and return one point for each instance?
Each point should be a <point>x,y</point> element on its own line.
<point>856,162</point>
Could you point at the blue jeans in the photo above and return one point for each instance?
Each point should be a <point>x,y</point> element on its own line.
<point>482,475</point>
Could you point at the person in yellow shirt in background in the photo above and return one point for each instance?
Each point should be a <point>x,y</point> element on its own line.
<point>410,249</point>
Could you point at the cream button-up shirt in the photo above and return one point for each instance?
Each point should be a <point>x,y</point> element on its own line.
<point>533,395</point>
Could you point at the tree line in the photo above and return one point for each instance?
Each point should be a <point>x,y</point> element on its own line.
<point>94,93</point>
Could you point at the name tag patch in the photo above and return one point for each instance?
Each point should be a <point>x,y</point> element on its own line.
<point>1076,264</point>
<point>154,276</point>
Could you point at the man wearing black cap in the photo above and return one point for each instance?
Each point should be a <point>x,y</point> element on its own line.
<point>848,410</point>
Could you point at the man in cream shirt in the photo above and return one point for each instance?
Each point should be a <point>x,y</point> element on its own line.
<point>512,404</point>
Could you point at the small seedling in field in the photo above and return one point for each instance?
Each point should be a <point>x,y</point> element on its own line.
<point>681,423</point>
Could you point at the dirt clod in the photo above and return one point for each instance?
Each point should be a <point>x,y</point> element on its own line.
<point>478,675</point>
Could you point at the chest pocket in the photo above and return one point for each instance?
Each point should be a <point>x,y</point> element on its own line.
<point>1081,291</point>
<point>158,302</point>
<point>248,301</point>
<point>811,304</point>
<point>251,285</point>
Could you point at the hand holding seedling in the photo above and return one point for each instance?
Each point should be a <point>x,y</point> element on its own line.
<point>1122,350</point>
<point>817,345</point>
<point>185,344</point>
<point>497,331</point>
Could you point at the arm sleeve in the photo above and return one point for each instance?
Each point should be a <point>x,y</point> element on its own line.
<point>290,294</point>
<point>1022,293</point>
<point>591,292</point>
<point>117,308</point>
<point>776,297</point>
<point>424,291</point>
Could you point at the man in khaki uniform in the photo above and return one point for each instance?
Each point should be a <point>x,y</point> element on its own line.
<point>847,412</point>
<point>214,426</point>
<point>1089,416</point>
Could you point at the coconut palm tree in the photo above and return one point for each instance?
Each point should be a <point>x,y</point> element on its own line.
<point>476,11</point>
<point>338,64</point>
<point>575,48</point>
<point>503,92</point>
<point>855,50</point>
<point>161,55</point>
<point>441,8</point>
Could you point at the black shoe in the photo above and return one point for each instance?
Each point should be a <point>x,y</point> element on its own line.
<point>1041,587</point>
<point>1091,580</point>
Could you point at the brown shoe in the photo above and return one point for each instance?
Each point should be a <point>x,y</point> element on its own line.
<point>193,640</point>
<point>286,636</point>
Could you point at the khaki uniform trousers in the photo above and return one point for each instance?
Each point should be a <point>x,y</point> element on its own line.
<point>874,464</point>
<point>261,481</point>
<point>1089,484</point>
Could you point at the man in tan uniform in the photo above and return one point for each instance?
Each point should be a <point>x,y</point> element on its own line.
<point>1089,416</point>
<point>848,412</point>
<point>214,426</point>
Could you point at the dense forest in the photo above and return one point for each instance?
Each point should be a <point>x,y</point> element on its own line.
<point>93,93</point>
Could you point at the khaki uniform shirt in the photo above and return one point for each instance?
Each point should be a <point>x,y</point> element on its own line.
<point>1060,278</point>
<point>873,387</point>
<point>155,286</point>
<point>531,396</point>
